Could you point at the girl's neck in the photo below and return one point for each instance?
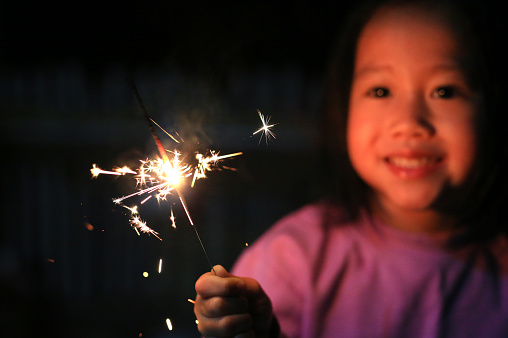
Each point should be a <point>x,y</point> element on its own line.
<point>423,221</point>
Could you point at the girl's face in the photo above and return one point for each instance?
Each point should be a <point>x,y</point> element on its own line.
<point>410,130</point>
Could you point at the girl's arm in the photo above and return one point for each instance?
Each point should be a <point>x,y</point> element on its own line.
<point>232,306</point>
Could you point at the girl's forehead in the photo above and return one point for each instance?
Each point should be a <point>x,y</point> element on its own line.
<point>402,31</point>
<point>410,18</point>
<point>414,11</point>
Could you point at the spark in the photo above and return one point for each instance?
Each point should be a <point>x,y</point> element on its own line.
<point>96,171</point>
<point>191,301</point>
<point>160,265</point>
<point>168,323</point>
<point>139,225</point>
<point>172,218</point>
<point>133,210</point>
<point>207,163</point>
<point>124,170</point>
<point>265,129</point>
<point>162,178</point>
<point>172,137</point>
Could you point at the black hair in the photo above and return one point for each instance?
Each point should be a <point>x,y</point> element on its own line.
<point>485,196</point>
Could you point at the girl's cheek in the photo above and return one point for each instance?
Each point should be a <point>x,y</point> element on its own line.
<point>456,118</point>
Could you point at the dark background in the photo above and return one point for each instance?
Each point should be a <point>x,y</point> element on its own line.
<point>203,68</point>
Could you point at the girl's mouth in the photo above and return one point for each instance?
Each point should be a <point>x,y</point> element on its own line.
<point>412,162</point>
<point>413,167</point>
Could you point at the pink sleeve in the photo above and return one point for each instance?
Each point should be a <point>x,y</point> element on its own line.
<point>280,261</point>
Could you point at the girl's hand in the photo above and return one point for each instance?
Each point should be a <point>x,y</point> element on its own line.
<point>231,306</point>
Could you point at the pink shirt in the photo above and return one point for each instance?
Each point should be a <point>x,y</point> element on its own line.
<point>370,280</point>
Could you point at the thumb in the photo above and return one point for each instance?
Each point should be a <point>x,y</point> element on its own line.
<point>220,271</point>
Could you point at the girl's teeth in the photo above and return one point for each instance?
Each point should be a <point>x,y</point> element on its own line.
<point>410,163</point>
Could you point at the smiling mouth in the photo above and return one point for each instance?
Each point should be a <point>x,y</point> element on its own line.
<point>413,162</point>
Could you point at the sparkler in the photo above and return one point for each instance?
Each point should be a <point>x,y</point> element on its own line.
<point>163,176</point>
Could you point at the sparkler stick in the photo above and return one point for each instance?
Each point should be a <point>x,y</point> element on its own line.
<point>149,121</point>
<point>164,156</point>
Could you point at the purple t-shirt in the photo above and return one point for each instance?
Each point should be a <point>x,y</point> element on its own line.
<point>370,280</point>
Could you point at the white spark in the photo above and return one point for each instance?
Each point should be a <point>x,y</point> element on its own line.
<point>265,129</point>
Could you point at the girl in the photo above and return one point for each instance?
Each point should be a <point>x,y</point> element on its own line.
<point>412,243</point>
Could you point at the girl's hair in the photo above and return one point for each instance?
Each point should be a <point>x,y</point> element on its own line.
<point>481,33</point>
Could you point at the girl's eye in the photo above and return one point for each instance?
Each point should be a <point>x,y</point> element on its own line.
<point>444,93</point>
<point>379,92</point>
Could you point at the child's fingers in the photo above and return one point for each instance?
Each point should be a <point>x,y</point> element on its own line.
<point>230,306</point>
<point>220,271</point>
<point>252,289</point>
<point>221,283</point>
<point>211,285</point>
<point>227,326</point>
<point>260,306</point>
<point>221,306</point>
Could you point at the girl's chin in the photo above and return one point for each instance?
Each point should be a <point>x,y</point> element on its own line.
<point>409,202</point>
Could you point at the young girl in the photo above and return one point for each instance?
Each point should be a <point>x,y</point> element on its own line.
<point>412,244</point>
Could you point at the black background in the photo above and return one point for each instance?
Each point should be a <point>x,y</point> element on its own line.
<point>66,105</point>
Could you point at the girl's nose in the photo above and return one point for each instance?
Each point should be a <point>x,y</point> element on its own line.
<point>412,120</point>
